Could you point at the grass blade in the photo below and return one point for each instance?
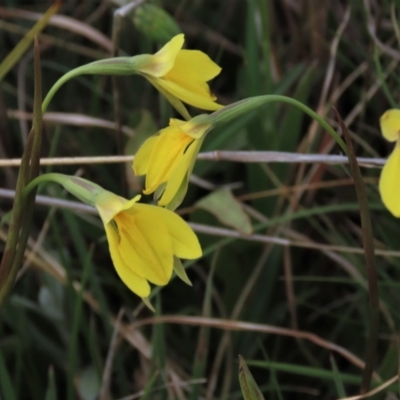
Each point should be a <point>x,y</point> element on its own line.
<point>23,45</point>
<point>368,243</point>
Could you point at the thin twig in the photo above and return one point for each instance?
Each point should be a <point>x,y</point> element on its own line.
<point>394,54</point>
<point>74,119</point>
<point>106,379</point>
<point>373,392</point>
<point>44,38</point>
<point>234,156</point>
<point>191,382</point>
<point>53,202</point>
<point>63,22</point>
<point>368,244</point>
<point>217,231</point>
<point>250,327</point>
<point>212,230</point>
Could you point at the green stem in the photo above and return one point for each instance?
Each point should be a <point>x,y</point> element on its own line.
<point>18,51</point>
<point>73,346</point>
<point>28,189</point>
<point>50,177</point>
<point>22,211</point>
<point>382,79</point>
<point>108,66</point>
<point>232,111</point>
<point>82,189</point>
<point>15,217</point>
<point>265,9</point>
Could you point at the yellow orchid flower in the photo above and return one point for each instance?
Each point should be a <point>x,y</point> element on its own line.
<point>390,176</point>
<point>145,241</point>
<point>181,75</point>
<point>167,159</point>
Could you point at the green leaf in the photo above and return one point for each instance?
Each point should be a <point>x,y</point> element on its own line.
<point>369,252</point>
<point>337,378</point>
<point>50,303</point>
<point>15,55</point>
<point>155,23</point>
<point>227,209</point>
<point>51,392</point>
<point>23,206</point>
<point>250,389</point>
<point>6,388</point>
<point>88,384</point>
<point>303,370</point>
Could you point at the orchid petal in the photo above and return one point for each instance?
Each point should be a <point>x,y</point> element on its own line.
<point>142,157</point>
<point>109,204</point>
<point>195,95</point>
<point>184,241</point>
<point>390,125</point>
<point>134,282</point>
<point>193,65</point>
<point>180,171</point>
<point>179,196</point>
<point>175,102</point>
<point>389,183</point>
<point>166,156</point>
<point>163,61</point>
<point>145,245</point>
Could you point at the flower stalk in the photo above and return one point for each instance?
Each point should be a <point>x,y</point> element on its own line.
<point>242,107</point>
<point>22,211</point>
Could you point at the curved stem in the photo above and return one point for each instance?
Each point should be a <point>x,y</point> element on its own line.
<point>69,75</point>
<point>50,177</point>
<point>234,110</point>
<point>108,66</point>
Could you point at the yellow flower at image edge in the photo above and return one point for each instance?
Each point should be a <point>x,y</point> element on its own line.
<point>143,241</point>
<point>182,75</point>
<point>167,159</point>
<point>389,183</point>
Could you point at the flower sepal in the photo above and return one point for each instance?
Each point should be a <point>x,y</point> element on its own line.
<point>180,271</point>
<point>148,304</point>
<point>196,128</point>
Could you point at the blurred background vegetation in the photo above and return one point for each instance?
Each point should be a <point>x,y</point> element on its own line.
<point>71,330</point>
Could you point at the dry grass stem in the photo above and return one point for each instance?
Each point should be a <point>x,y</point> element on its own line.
<point>252,327</point>
<point>74,119</point>
<point>234,156</point>
<point>374,391</point>
<point>61,21</point>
